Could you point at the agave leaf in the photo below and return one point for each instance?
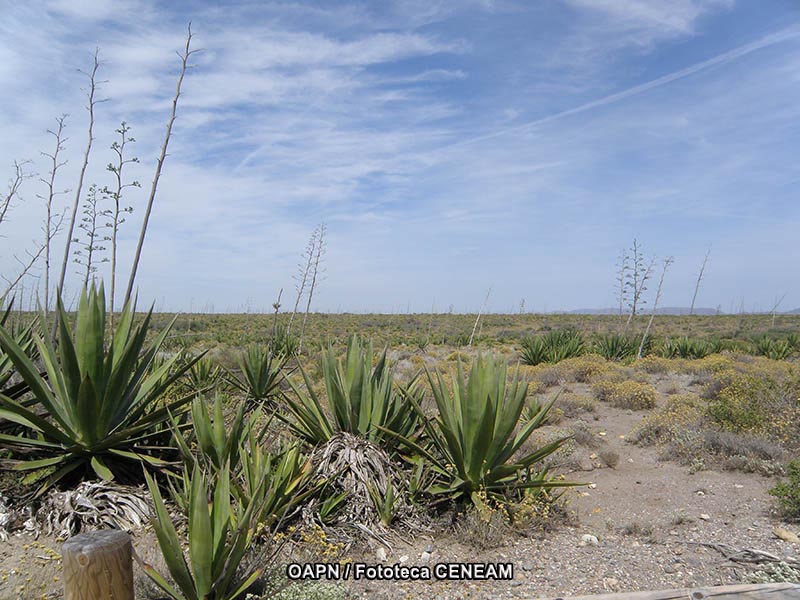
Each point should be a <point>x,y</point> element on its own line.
<point>169,544</point>
<point>200,534</point>
<point>151,460</point>
<point>161,582</point>
<point>90,329</point>
<point>24,442</point>
<point>221,518</point>
<point>99,467</point>
<point>245,584</point>
<point>28,371</point>
<point>31,465</point>
<point>27,417</point>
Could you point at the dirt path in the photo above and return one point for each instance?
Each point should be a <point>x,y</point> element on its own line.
<point>650,519</point>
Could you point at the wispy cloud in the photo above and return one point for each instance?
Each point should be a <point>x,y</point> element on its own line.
<point>446,144</point>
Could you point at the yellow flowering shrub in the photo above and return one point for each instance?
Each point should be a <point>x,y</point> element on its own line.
<point>680,412</point>
<point>634,395</point>
<point>584,368</point>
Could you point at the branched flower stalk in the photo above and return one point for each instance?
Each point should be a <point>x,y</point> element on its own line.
<point>6,202</point>
<point>315,275</point>
<point>116,215</point>
<point>303,270</point>
<point>92,244</point>
<point>93,101</point>
<point>51,228</point>
<point>184,56</point>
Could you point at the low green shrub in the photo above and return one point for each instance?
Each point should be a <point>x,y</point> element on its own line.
<point>787,492</point>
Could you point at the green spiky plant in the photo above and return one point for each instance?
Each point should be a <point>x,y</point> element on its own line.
<point>774,349</point>
<point>686,347</point>
<point>211,439</point>
<point>261,373</point>
<point>220,532</point>
<point>534,351</point>
<point>615,346</point>
<point>22,336</point>
<point>288,476</point>
<point>100,402</point>
<point>474,441</point>
<point>552,347</point>
<point>202,376</point>
<point>362,400</point>
<point>213,444</point>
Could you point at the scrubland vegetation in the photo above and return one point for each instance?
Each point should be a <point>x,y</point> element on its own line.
<point>247,446</point>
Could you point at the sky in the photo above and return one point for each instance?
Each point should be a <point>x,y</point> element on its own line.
<point>451,148</point>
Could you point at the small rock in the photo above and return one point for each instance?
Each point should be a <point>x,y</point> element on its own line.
<point>670,569</point>
<point>705,517</point>
<point>738,486</point>
<point>592,486</point>
<point>610,582</point>
<point>602,433</point>
<point>527,566</point>
<point>425,558</point>
<point>516,583</point>
<point>588,539</point>
<point>700,493</point>
<point>403,559</point>
<point>380,554</point>
<point>673,532</point>
<point>429,548</point>
<point>786,535</point>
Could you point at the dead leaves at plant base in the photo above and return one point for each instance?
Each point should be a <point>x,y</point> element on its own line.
<point>94,505</point>
<point>367,475</point>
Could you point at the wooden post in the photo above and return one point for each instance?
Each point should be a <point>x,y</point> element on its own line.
<point>98,566</point>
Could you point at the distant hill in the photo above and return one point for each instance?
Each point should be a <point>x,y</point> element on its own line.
<point>796,311</point>
<point>667,310</point>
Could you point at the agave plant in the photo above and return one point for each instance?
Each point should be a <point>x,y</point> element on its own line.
<point>552,347</point>
<point>219,535</point>
<point>774,349</point>
<point>283,343</point>
<point>217,444</point>
<point>793,340</point>
<point>202,376</point>
<point>261,373</point>
<point>286,476</point>
<point>534,351</point>
<point>565,343</point>
<point>686,347</point>
<point>22,336</point>
<point>24,339</point>
<point>362,400</point>
<point>614,346</point>
<point>100,401</point>
<point>474,440</point>
<point>214,445</point>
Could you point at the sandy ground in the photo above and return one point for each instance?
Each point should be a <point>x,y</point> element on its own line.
<point>651,520</point>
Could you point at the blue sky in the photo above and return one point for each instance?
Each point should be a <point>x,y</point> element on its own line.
<point>449,147</point>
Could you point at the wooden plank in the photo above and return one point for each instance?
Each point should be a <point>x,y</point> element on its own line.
<point>98,566</point>
<point>757,591</point>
